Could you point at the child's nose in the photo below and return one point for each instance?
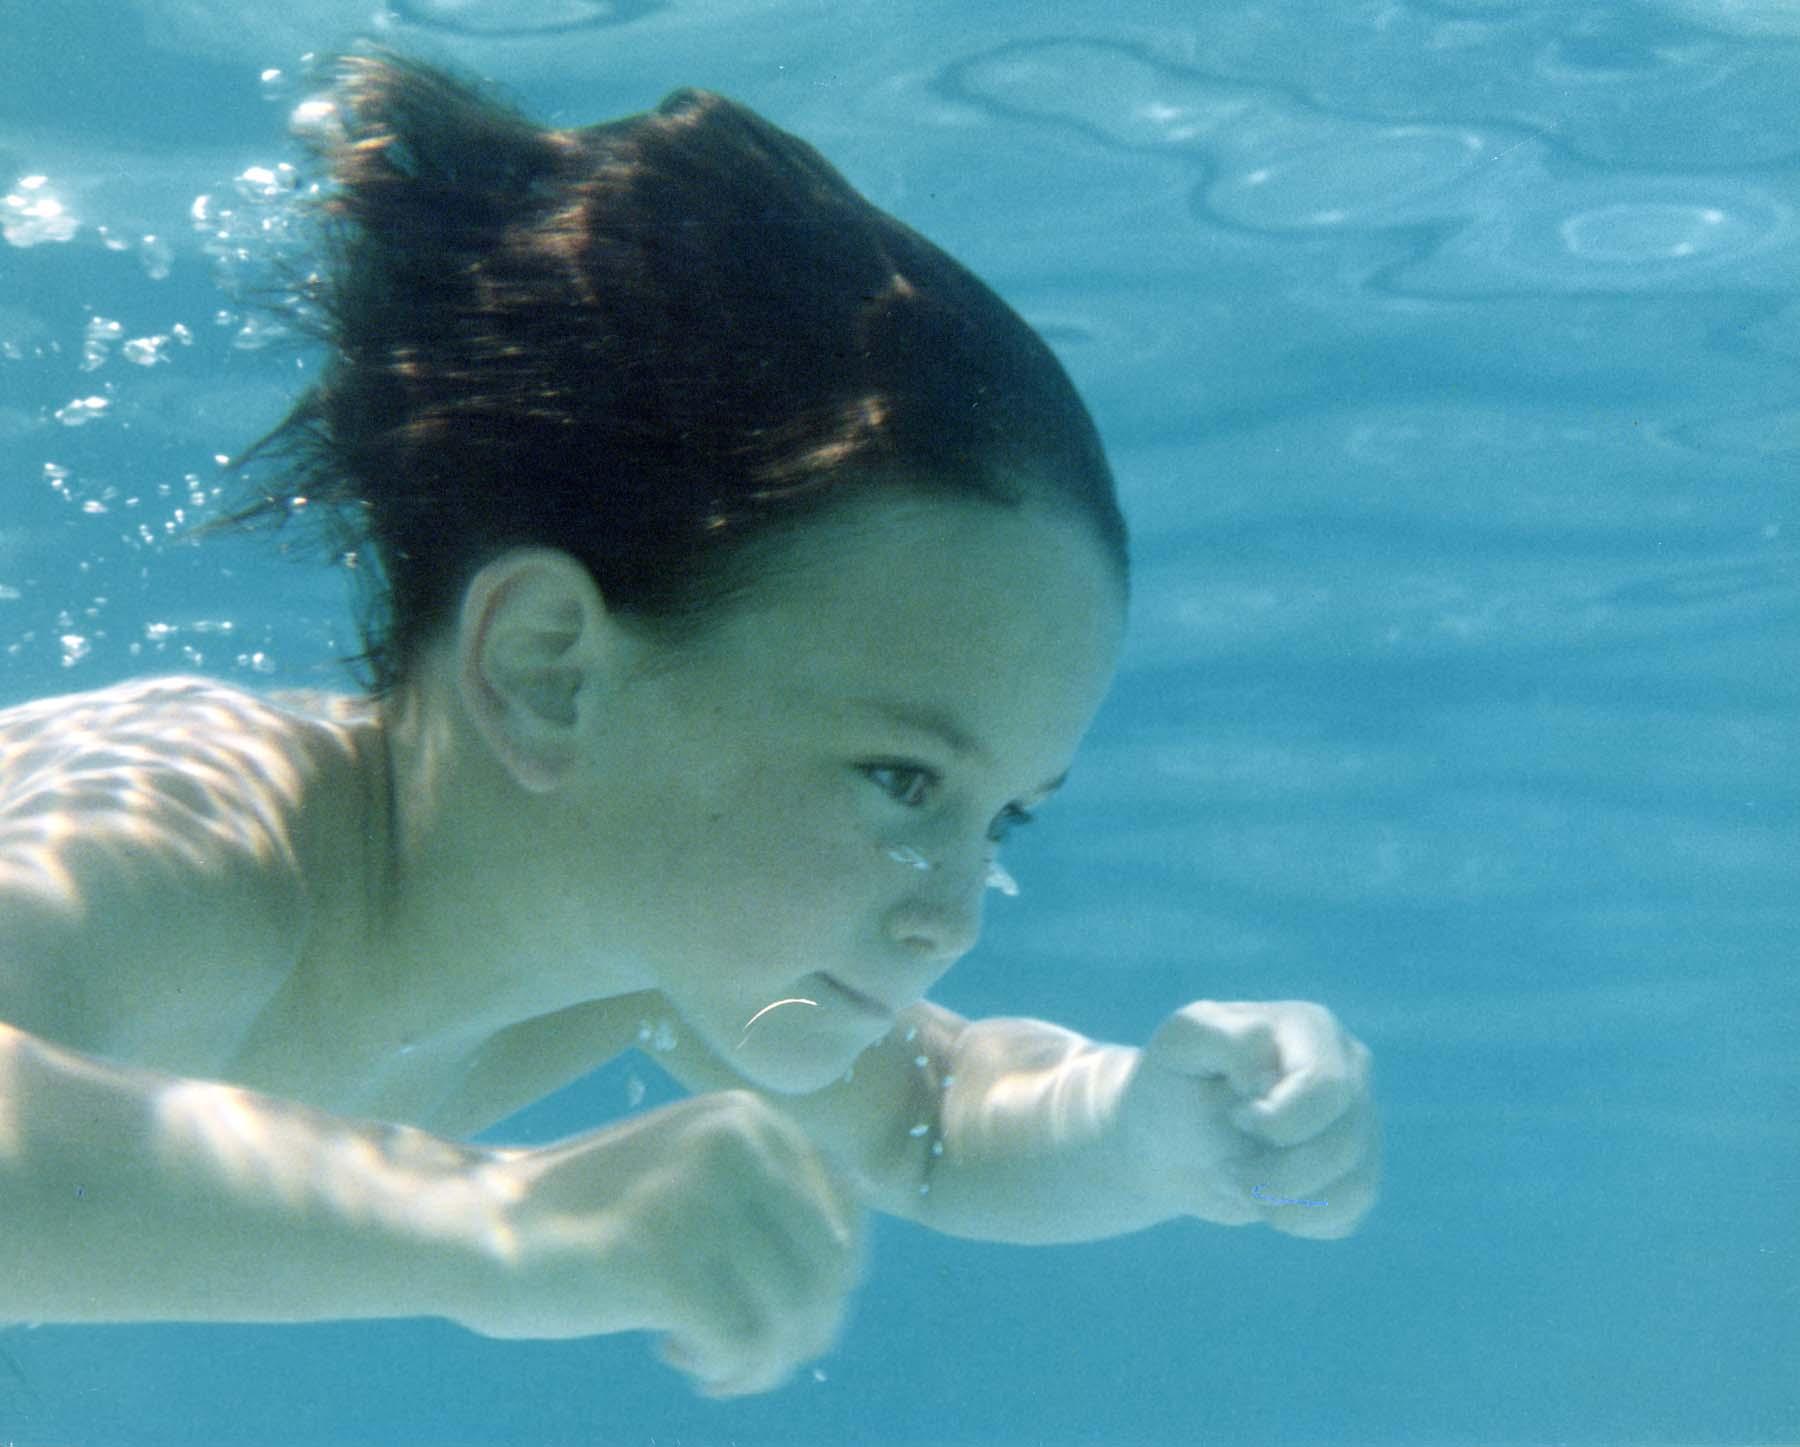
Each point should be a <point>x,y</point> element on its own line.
<point>939,914</point>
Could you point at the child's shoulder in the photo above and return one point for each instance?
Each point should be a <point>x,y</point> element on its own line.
<point>180,770</point>
<point>194,736</point>
<point>159,838</point>
<point>176,715</point>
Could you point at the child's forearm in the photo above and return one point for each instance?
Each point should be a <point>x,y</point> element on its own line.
<point>1032,1152</point>
<point>126,1195</point>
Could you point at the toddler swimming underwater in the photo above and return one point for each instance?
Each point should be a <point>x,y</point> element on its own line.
<point>748,569</point>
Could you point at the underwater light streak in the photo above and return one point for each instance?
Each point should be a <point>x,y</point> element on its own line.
<point>772,1005</point>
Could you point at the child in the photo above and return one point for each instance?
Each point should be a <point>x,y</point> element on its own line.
<point>750,569</point>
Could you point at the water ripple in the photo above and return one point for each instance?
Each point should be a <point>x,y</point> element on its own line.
<point>515,19</point>
<point>1472,209</point>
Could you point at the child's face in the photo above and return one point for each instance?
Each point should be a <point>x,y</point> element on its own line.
<point>745,804</point>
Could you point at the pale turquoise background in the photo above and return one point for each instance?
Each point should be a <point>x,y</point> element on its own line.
<point>1449,355</point>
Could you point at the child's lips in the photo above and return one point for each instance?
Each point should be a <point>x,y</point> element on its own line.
<point>865,1003</point>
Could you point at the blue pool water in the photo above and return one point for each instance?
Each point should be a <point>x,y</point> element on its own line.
<point>1448,353</point>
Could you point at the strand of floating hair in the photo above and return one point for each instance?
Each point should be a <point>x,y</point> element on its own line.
<point>772,1005</point>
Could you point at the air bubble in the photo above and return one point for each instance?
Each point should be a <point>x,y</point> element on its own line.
<point>157,256</point>
<point>256,333</point>
<point>146,351</point>
<point>97,342</point>
<point>314,120</point>
<point>919,1130</point>
<point>82,411</point>
<point>34,214</point>
<point>265,183</point>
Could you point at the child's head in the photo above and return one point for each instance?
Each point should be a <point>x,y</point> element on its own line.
<point>757,540</point>
<point>661,345</point>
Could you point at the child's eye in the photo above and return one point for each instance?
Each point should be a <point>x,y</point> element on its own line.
<point>906,784</point>
<point>909,785</point>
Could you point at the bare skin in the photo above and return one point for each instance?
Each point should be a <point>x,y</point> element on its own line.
<point>238,930</point>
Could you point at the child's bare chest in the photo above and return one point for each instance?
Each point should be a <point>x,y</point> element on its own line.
<point>312,1044</point>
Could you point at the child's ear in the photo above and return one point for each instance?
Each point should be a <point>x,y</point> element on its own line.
<point>532,640</point>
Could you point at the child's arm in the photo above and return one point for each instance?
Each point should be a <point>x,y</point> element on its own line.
<point>1021,1131</point>
<point>128,1195</point>
<point>1232,1113</point>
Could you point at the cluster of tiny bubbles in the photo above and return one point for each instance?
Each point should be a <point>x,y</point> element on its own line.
<point>191,642</point>
<point>156,255</point>
<point>76,633</point>
<point>32,213</point>
<point>102,334</point>
<point>997,877</point>
<point>924,1131</point>
<point>657,1034</point>
<point>251,229</point>
<point>256,231</point>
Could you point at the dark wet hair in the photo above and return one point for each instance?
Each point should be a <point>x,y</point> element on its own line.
<point>654,343</point>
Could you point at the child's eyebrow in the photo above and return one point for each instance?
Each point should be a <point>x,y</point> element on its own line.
<point>926,719</point>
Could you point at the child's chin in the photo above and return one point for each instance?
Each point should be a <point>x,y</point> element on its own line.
<point>800,1072</point>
